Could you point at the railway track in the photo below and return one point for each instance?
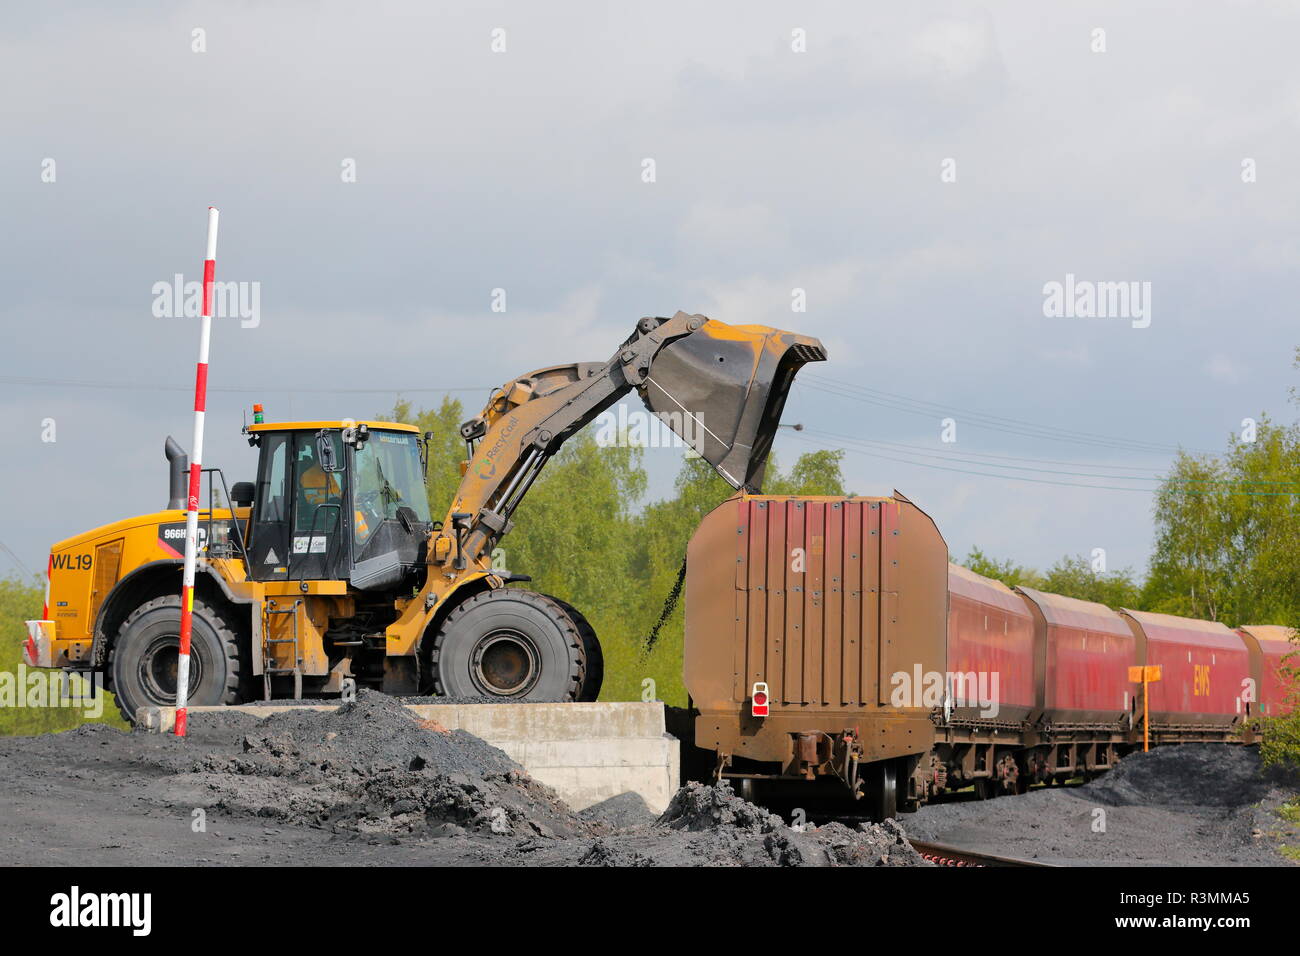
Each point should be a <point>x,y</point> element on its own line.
<point>942,855</point>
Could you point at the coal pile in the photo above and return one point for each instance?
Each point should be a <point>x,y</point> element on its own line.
<point>834,844</point>
<point>697,806</point>
<point>711,826</point>
<point>620,812</point>
<point>1178,805</point>
<point>611,854</point>
<point>369,783</point>
<point>373,771</point>
<point>1205,775</point>
<point>373,768</point>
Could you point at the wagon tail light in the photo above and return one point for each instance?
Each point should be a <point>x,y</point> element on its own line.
<point>758,705</point>
<point>722,389</point>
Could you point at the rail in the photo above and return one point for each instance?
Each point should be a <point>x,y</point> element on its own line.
<point>943,855</point>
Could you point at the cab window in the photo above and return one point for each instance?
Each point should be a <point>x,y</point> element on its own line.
<point>319,492</point>
<point>387,476</point>
<point>271,502</point>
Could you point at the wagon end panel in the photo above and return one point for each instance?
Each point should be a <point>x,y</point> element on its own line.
<point>836,607</point>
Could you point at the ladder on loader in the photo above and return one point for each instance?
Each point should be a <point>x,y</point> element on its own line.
<point>270,659</point>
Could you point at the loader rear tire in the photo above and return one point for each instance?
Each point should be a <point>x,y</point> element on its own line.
<point>511,645</point>
<point>142,662</point>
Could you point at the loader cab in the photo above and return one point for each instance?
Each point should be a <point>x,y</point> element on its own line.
<point>338,501</point>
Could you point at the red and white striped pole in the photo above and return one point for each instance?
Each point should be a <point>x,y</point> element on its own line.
<point>196,476</point>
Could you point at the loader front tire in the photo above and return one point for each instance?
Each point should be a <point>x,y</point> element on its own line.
<point>510,644</point>
<point>143,659</point>
<point>595,671</point>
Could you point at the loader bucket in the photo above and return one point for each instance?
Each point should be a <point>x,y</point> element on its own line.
<point>722,389</point>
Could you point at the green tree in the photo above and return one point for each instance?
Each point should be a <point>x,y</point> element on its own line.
<point>1007,571</point>
<point>1070,577</point>
<point>1074,577</point>
<point>1228,532</point>
<point>815,473</point>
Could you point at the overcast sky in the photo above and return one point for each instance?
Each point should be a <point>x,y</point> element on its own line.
<point>829,170</point>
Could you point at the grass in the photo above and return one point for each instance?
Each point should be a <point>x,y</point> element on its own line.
<point>20,602</point>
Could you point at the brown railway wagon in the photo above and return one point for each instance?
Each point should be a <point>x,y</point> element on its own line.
<point>835,610</point>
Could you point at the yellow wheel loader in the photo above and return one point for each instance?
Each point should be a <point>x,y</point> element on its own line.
<point>328,571</point>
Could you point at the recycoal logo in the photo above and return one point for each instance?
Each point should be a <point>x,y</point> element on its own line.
<point>77,909</point>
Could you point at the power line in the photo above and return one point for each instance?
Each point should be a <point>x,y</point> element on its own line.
<point>927,453</point>
<point>264,389</point>
<point>928,409</point>
<point>1043,481</point>
<point>17,560</point>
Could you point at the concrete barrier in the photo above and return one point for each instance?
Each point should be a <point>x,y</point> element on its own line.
<point>586,752</point>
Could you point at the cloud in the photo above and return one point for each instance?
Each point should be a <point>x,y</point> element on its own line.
<point>1223,369</point>
<point>776,170</point>
<point>1071,355</point>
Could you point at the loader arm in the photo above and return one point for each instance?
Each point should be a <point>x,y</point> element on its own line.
<point>720,387</point>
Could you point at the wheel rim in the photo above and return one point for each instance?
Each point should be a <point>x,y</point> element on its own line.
<point>157,669</point>
<point>505,663</point>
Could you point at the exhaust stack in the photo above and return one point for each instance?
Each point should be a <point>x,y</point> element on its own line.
<point>722,389</point>
<point>178,467</point>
